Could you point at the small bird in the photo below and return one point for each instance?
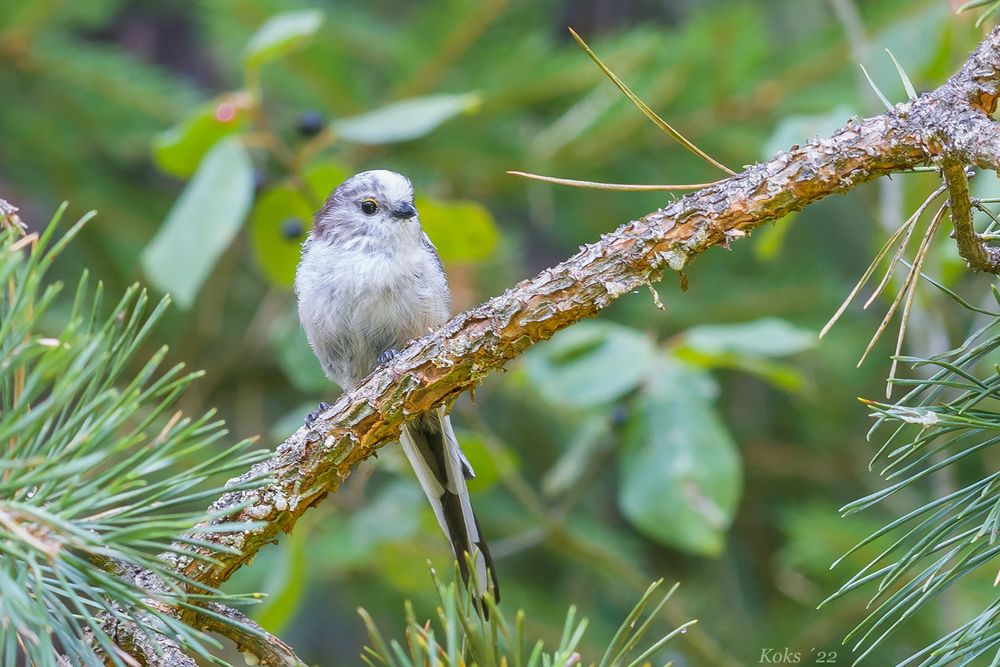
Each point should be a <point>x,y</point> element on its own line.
<point>370,280</point>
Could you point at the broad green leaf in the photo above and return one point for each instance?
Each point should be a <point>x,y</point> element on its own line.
<point>179,150</point>
<point>767,337</point>
<point>591,434</point>
<point>281,34</point>
<point>590,364</point>
<point>680,472</point>
<point>285,584</point>
<point>275,249</point>
<point>322,178</point>
<point>202,223</point>
<point>402,564</point>
<point>803,128</point>
<point>783,376</point>
<point>403,120</point>
<point>462,231</point>
<point>278,209</point>
<point>296,358</point>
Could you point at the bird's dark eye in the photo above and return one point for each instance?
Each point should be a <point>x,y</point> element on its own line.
<point>369,206</point>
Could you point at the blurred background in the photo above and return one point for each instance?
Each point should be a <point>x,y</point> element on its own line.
<point>709,443</point>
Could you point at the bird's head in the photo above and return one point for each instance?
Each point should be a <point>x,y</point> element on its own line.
<point>377,202</point>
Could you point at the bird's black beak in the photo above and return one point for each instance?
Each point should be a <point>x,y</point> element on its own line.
<point>404,211</point>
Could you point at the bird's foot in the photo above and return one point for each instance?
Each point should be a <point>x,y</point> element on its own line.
<point>387,355</point>
<point>314,415</point>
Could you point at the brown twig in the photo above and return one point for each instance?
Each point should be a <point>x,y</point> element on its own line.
<point>977,253</point>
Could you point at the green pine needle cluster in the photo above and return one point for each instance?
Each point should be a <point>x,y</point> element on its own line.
<point>946,421</point>
<point>99,472</point>
<point>478,633</point>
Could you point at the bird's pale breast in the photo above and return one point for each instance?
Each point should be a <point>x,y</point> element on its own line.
<point>362,302</point>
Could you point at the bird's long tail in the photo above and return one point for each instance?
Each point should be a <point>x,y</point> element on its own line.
<point>432,449</point>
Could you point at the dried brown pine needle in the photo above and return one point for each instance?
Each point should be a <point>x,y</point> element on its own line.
<point>624,187</point>
<point>910,281</point>
<point>910,225</point>
<point>644,108</point>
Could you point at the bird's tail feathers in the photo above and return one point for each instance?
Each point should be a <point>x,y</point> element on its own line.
<point>430,445</point>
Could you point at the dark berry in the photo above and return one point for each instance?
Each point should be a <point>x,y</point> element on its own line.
<point>310,123</point>
<point>619,415</point>
<point>291,229</point>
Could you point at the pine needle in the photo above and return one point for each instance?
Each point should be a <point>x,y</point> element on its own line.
<point>910,278</point>
<point>866,276</point>
<point>888,106</point>
<point>644,108</point>
<point>907,84</point>
<point>624,187</point>
<point>972,4</point>
<point>910,225</point>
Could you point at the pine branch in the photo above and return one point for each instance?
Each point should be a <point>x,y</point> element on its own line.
<point>96,473</point>
<point>950,123</point>
<point>257,645</point>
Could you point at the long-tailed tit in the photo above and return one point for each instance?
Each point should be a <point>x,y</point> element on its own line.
<point>370,280</point>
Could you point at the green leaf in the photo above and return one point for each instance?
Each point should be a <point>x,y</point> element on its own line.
<point>767,337</point>
<point>296,358</point>
<point>462,231</point>
<point>749,347</point>
<point>283,206</point>
<point>590,364</point>
<point>285,584</point>
<point>277,251</point>
<point>281,34</point>
<point>202,223</point>
<point>403,120</point>
<point>179,150</point>
<point>680,471</point>
<point>567,471</point>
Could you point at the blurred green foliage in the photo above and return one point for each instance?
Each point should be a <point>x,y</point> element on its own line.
<point>709,443</point>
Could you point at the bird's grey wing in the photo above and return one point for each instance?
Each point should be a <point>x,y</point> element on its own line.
<point>429,245</point>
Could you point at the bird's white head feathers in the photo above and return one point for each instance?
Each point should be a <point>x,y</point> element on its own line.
<point>377,202</point>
